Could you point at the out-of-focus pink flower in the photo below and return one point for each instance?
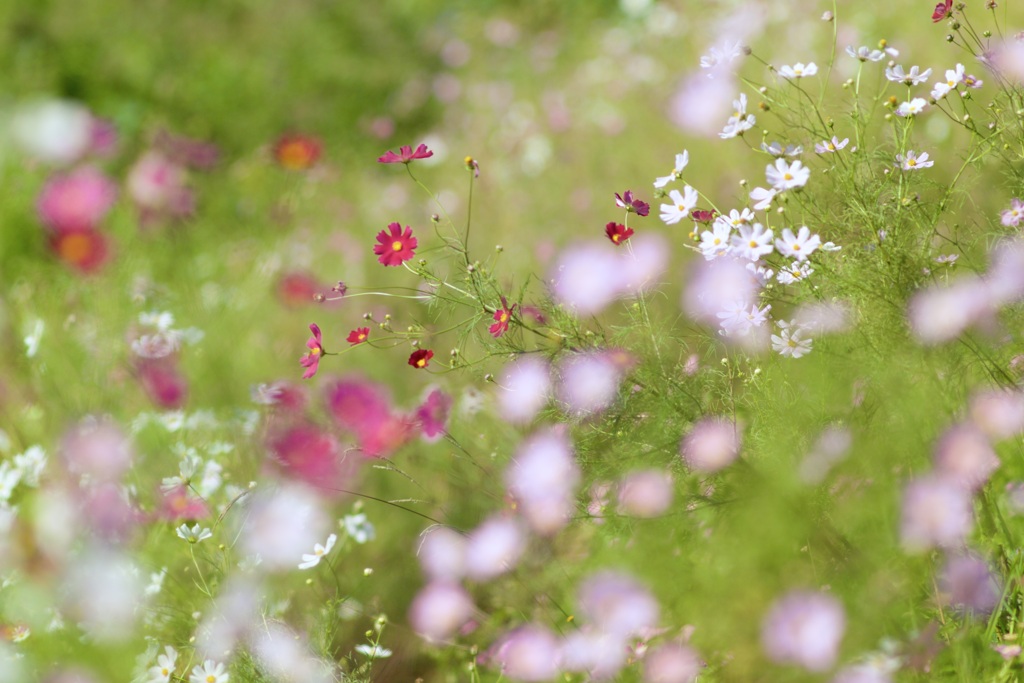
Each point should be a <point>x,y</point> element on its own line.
<point>432,414</point>
<point>190,152</point>
<point>700,104</point>
<point>103,138</point>
<point>712,444</point>
<point>588,382</point>
<point>76,201</point>
<point>587,277</point>
<point>645,494</point>
<point>936,512</point>
<point>310,455</point>
<point>162,381</point>
<point>439,610</point>
<point>84,249</point>
<point>180,504</point>
<point>714,286</point>
<point>405,155</point>
<point>442,554</point>
<point>964,457</point>
<point>643,264</point>
<point>941,314</point>
<point>1005,277</point>
<point>494,548</point>
<point>969,584</point>
<point>97,449</point>
<point>671,663</point>
<point>288,397</point>
<point>1000,414</point>
<point>159,187</point>
<point>107,512</point>
<point>297,152</point>
<point>804,628</point>
<point>311,361</point>
<point>297,289</point>
<point>617,603</point>
<point>529,653</point>
<point>591,651</point>
<point>543,477</point>
<point>523,389</point>
<point>831,446</point>
<point>364,409</point>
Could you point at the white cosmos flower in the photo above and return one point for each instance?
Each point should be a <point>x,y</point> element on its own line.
<point>762,198</point>
<point>790,341</point>
<point>715,242</point>
<point>193,535</point>
<point>795,272</point>
<point>681,161</point>
<point>373,651</point>
<point>783,176</point>
<point>777,150</point>
<point>681,205</point>
<point>865,54</point>
<point>829,146</point>
<point>737,320</point>
<point>310,561</point>
<point>798,70</point>
<point>161,673</point>
<point>912,108</point>
<point>913,77</point>
<point>753,242</point>
<point>740,121</point>
<point>209,672</point>
<point>912,162</point>
<point>798,246</point>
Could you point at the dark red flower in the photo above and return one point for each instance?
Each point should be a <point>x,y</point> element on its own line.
<point>617,232</point>
<point>84,249</point>
<point>405,155</point>
<point>297,152</point>
<point>703,215</point>
<point>358,335</point>
<point>631,204</point>
<point>502,317</point>
<point>942,10</point>
<point>420,358</point>
<point>311,361</point>
<point>397,247</point>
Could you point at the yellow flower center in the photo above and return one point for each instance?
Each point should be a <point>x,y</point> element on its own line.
<point>680,207</point>
<point>75,248</point>
<point>717,241</point>
<point>753,244</point>
<point>164,672</point>
<point>796,247</point>
<point>504,315</point>
<point>911,162</point>
<point>421,362</point>
<point>831,147</point>
<point>787,176</point>
<point>397,245</point>
<point>315,351</point>
<point>616,238</point>
<point>210,678</point>
<point>797,70</point>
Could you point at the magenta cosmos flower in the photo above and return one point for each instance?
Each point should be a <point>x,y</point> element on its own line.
<point>78,200</point>
<point>631,204</point>
<point>311,361</point>
<point>405,155</point>
<point>502,317</point>
<point>397,247</point>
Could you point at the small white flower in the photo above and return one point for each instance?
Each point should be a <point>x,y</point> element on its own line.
<point>193,535</point>
<point>737,218</point>
<point>777,150</point>
<point>795,272</point>
<point>681,161</point>
<point>359,528</point>
<point>912,162</point>
<point>30,464</point>
<point>798,246</point>
<point>373,651</point>
<point>914,77</point>
<point>790,340</point>
<point>762,198</point>
<point>783,176</point>
<point>912,108</point>
<point>798,70</point>
<point>34,336</point>
<point>740,121</point>
<point>310,561</point>
<point>760,271</point>
<point>715,242</point>
<point>718,57</point>
<point>737,321</point>
<point>681,205</point>
<point>161,673</point>
<point>209,672</point>
<point>829,146</point>
<point>865,54</point>
<point>954,77</point>
<point>753,242</point>
<point>830,246</point>
<point>163,321</point>
<point>156,582</point>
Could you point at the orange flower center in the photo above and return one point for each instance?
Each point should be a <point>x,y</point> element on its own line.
<point>504,314</point>
<point>294,156</point>
<point>421,362</point>
<point>397,245</point>
<point>315,352</point>
<point>753,244</point>
<point>616,238</point>
<point>75,248</point>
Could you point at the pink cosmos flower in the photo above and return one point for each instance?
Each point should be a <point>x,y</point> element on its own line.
<point>942,10</point>
<point>397,247</point>
<point>159,187</point>
<point>363,409</point>
<point>98,449</point>
<point>298,289</point>
<point>181,504</point>
<point>712,444</point>
<point>76,201</point>
<point>964,457</point>
<point>631,204</point>
<point>1012,217</point>
<point>439,610</point>
<point>442,554</point>
<point>358,335</point>
<point>494,548</point>
<point>523,388</point>
<point>588,382</point>
<point>297,152</point>
<point>804,628</point>
<point>432,414</point>
<point>969,584</point>
<point>502,317</point>
<point>529,653</point>
<point>645,494</point>
<point>936,512</point>
<point>310,455</point>
<point>163,382</point>
<point>311,361</point>
<point>405,155</point>
<point>190,152</point>
<point>671,663</point>
<point>543,477</point>
<point>617,603</point>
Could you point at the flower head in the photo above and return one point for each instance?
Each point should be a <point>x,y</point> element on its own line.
<point>804,628</point>
<point>405,155</point>
<point>798,70</point>
<point>78,200</point>
<point>829,146</point>
<point>420,358</point>
<point>681,161</point>
<point>865,54</point>
<point>681,205</point>
<point>631,204</point>
<point>503,315</point>
<point>311,361</point>
<point>311,560</point>
<point>84,249</point>
<point>913,77</point>
<point>397,247</point>
<point>942,10</point>
<point>798,246</point>
<point>432,414</point>
<point>209,672</point>
<point>161,673</point>
<point>297,152</point>
<point>783,176</point>
<point>358,335</point>
<point>911,108</point>
<point>790,340</point>
<point>704,216</point>
<point>753,242</point>
<point>740,120</point>
<point>193,534</point>
<point>617,233</point>
<point>1012,217</point>
<point>912,162</point>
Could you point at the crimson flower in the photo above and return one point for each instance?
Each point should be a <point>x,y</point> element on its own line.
<point>84,249</point>
<point>395,248</point>
<point>311,361</point>
<point>420,358</point>
<point>405,155</point>
<point>358,335</point>
<point>297,152</point>
<point>942,10</point>
<point>703,215</point>
<point>502,316</point>
<point>629,203</point>
<point>617,232</point>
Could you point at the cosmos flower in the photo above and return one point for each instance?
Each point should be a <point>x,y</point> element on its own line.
<point>358,335</point>
<point>790,341</point>
<point>420,358</point>
<point>712,444</point>
<point>617,232</point>
<point>804,628</point>
<point>913,162</point>
<point>798,246</point>
<point>311,361</point>
<point>782,176</point>
<point>395,248</point>
<point>1012,217</point>
<point>503,315</point>
<point>628,202</point>
<point>798,70</point>
<point>84,249</point>
<point>915,76</point>
<point>405,155</point>
<point>942,10</point>
<point>76,201</point>
<point>681,205</point>
<point>310,560</point>
<point>297,152</point>
<point>681,161</point>
<point>912,108</point>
